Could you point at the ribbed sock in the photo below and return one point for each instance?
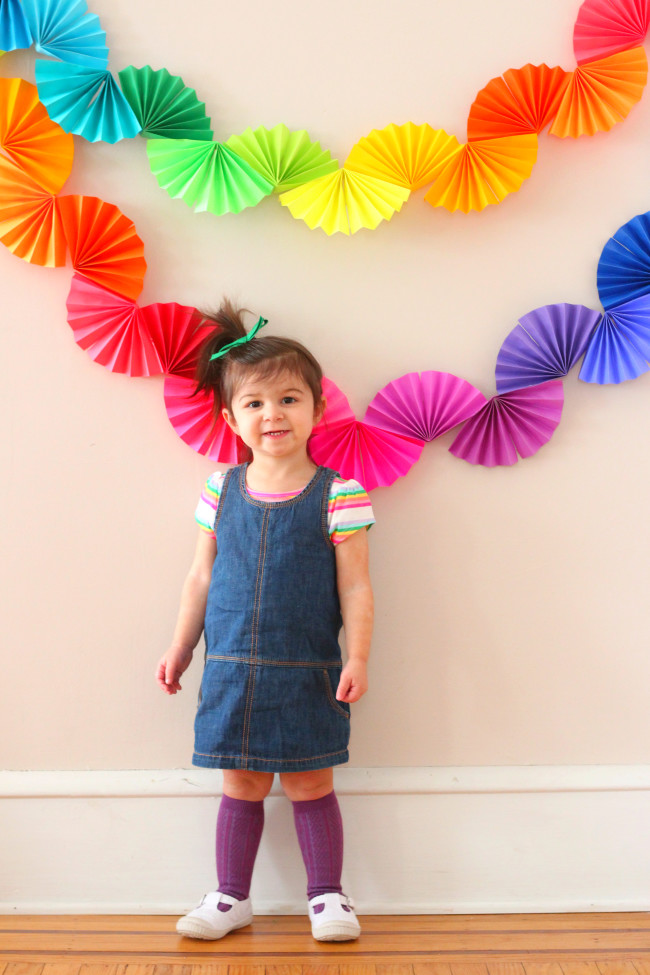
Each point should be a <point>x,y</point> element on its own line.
<point>320,834</point>
<point>239,830</point>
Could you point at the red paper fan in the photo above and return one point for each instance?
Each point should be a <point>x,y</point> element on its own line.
<point>103,244</point>
<point>177,333</point>
<point>193,419</point>
<point>110,328</point>
<point>605,27</point>
<point>358,450</point>
<point>523,100</point>
<point>30,222</point>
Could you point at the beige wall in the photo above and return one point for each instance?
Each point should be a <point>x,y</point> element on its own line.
<point>512,604</point>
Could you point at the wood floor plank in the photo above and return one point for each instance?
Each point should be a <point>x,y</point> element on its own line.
<point>617,968</point>
<point>209,969</point>
<point>362,968</point>
<point>98,969</point>
<point>245,969</point>
<point>287,970</point>
<point>23,968</point>
<point>505,968</point>
<point>542,968</point>
<point>61,968</point>
<point>431,968</point>
<point>394,969</point>
<point>469,968</point>
<point>320,970</point>
<point>642,967</point>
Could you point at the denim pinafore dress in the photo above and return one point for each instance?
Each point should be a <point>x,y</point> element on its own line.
<point>272,663</point>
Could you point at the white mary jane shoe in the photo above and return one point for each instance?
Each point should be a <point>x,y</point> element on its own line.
<point>335,920</point>
<point>209,923</point>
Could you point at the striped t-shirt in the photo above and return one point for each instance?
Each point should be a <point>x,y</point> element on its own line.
<point>348,506</point>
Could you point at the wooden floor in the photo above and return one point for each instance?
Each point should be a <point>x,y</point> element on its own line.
<point>522,944</point>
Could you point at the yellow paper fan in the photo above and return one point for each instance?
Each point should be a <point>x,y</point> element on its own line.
<point>601,93</point>
<point>482,173</point>
<point>408,155</point>
<point>345,201</point>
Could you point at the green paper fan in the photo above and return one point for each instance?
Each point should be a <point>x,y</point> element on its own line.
<point>164,106</point>
<point>207,175</point>
<point>286,159</point>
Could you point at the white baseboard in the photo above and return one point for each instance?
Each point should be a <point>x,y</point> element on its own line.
<point>418,840</point>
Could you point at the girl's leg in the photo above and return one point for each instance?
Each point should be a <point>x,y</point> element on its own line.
<point>239,829</point>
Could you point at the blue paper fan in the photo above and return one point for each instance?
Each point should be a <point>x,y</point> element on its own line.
<point>14,29</point>
<point>85,101</point>
<point>545,345</point>
<point>620,347</point>
<point>65,30</point>
<point>624,265</point>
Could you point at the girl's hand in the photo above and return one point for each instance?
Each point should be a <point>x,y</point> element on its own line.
<point>174,663</point>
<point>354,681</point>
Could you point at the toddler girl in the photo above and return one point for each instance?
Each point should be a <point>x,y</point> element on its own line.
<point>280,564</point>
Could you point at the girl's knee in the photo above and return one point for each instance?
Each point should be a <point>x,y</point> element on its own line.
<point>252,786</point>
<point>302,786</point>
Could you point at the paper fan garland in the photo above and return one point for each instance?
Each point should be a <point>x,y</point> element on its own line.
<point>109,328</point>
<point>65,30</point>
<point>545,345</point>
<point>30,222</point>
<point>14,29</point>
<point>28,136</point>
<point>344,202</point>
<point>624,264</point>
<point>424,405</point>
<point>193,419</point>
<point>163,105</point>
<point>85,101</point>
<point>516,423</point>
<point>605,27</point>
<point>285,159</point>
<point>521,101</point>
<point>483,173</point>
<point>103,244</point>
<point>408,155</point>
<point>600,94</point>
<point>372,456</point>
<point>620,347</point>
<point>177,333</point>
<point>206,175</point>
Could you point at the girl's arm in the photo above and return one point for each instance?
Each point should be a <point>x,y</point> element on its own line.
<point>189,624</point>
<point>355,596</point>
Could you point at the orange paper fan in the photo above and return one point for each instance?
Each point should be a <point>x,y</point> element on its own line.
<point>103,244</point>
<point>408,155</point>
<point>30,222</point>
<point>524,100</point>
<point>601,93</point>
<point>29,137</point>
<point>484,172</point>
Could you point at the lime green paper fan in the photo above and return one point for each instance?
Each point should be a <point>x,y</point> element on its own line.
<point>345,202</point>
<point>287,159</point>
<point>164,106</point>
<point>207,175</point>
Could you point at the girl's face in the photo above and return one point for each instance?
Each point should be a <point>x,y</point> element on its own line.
<point>274,416</point>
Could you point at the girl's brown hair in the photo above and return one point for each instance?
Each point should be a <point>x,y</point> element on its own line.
<point>264,357</point>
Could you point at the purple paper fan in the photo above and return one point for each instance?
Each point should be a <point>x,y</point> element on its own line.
<point>545,345</point>
<point>424,405</point>
<point>514,423</point>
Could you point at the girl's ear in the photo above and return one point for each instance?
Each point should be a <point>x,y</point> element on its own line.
<point>319,410</point>
<point>229,418</point>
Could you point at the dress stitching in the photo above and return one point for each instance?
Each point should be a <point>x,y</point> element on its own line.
<point>254,628</point>
<point>256,661</point>
<point>259,758</point>
<point>277,504</point>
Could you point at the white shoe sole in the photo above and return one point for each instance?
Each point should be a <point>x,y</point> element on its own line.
<point>336,931</point>
<point>194,928</point>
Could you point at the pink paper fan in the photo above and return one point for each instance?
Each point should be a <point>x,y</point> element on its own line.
<point>193,419</point>
<point>177,333</point>
<point>109,327</point>
<point>358,450</point>
<point>605,27</point>
<point>424,405</point>
<point>518,422</point>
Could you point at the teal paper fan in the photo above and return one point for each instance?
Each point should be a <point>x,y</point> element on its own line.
<point>65,30</point>
<point>14,29</point>
<point>206,175</point>
<point>286,159</point>
<point>85,101</point>
<point>163,105</point>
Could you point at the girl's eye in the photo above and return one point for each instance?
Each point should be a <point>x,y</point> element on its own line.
<point>253,403</point>
<point>288,399</point>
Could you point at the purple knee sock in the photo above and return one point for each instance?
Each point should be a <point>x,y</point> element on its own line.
<point>320,834</point>
<point>239,830</point>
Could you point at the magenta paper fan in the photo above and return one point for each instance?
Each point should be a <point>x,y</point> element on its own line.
<point>109,327</point>
<point>424,405</point>
<point>359,450</point>
<point>193,419</point>
<point>514,423</point>
<point>177,333</point>
<point>604,27</point>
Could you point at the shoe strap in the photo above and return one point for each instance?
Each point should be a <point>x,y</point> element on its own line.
<point>343,899</point>
<point>216,897</point>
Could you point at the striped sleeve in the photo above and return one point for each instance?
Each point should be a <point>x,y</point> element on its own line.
<point>206,509</point>
<point>348,510</point>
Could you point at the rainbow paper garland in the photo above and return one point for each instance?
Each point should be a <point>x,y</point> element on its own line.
<point>78,91</point>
